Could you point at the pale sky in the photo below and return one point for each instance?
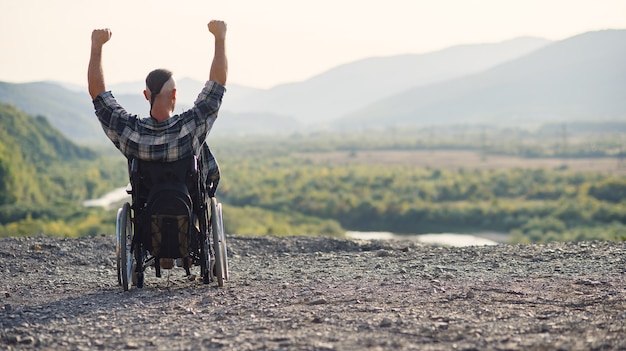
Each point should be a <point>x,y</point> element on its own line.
<point>269,42</point>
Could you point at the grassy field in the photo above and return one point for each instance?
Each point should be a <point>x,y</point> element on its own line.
<point>457,159</point>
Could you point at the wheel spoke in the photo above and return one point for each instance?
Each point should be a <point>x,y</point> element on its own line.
<point>215,229</point>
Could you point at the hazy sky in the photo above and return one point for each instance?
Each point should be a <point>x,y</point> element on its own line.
<point>269,42</point>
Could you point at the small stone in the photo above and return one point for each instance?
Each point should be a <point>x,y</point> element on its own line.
<point>27,340</point>
<point>386,322</point>
<point>321,301</point>
<point>383,253</point>
<point>132,345</point>
<point>13,339</point>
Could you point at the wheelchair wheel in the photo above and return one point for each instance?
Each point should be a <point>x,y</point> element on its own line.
<point>223,245</point>
<point>217,243</point>
<point>118,254</point>
<point>124,234</point>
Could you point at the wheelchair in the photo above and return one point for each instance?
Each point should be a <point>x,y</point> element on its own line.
<point>171,217</point>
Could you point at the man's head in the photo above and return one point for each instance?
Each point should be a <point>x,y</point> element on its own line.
<point>161,92</point>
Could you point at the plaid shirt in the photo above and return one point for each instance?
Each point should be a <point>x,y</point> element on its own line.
<point>178,137</point>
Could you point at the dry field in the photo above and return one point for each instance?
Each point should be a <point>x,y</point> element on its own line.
<point>467,159</point>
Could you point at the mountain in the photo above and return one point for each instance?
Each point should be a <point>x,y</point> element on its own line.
<point>69,111</point>
<point>29,146</point>
<point>246,123</point>
<point>524,79</point>
<point>36,139</point>
<point>580,78</point>
<point>351,86</point>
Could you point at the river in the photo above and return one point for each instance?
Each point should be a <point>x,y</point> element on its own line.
<point>447,239</point>
<point>118,195</point>
<point>109,199</point>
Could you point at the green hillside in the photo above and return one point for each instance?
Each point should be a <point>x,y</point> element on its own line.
<point>29,147</point>
<point>44,176</point>
<point>37,140</point>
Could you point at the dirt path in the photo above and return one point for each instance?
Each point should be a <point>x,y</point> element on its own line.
<point>303,293</point>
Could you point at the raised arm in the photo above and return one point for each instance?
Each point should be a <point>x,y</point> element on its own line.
<point>219,67</point>
<point>95,74</point>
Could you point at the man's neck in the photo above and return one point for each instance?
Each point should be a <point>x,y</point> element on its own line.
<point>160,115</point>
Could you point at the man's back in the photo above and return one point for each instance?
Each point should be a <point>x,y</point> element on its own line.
<point>162,136</point>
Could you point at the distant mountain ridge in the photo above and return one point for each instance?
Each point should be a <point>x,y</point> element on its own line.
<point>348,87</point>
<point>580,78</point>
<point>517,81</point>
<point>69,111</point>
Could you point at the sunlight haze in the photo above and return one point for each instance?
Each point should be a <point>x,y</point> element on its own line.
<point>270,42</point>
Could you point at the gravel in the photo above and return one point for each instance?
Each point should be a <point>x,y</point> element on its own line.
<point>319,293</point>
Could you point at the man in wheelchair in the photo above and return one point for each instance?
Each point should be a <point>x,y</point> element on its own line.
<point>173,173</point>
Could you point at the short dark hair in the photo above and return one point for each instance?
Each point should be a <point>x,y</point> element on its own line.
<point>155,81</point>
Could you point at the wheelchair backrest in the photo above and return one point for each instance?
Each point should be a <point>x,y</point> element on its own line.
<point>162,199</point>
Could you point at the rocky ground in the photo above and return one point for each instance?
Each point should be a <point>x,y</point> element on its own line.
<point>303,293</point>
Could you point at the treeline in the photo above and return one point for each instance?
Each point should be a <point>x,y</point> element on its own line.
<point>533,204</point>
<point>574,140</point>
<point>50,203</point>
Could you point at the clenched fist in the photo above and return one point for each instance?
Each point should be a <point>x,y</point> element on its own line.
<point>100,36</point>
<point>218,28</point>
